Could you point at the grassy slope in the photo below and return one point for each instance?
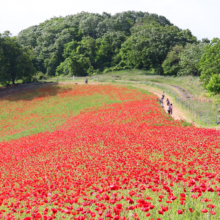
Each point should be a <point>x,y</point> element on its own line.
<point>49,108</point>
<point>201,109</point>
<point>127,147</point>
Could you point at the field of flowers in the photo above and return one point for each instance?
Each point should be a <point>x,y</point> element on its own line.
<point>46,109</point>
<point>123,159</point>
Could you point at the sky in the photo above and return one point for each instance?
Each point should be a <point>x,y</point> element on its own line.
<point>202,17</point>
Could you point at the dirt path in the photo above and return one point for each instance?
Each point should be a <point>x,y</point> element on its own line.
<point>6,92</point>
<point>178,113</point>
<point>185,94</point>
<point>79,83</point>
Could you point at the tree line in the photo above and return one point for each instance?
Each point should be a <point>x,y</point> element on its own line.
<point>16,60</point>
<point>89,43</point>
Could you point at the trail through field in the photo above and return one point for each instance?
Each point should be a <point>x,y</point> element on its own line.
<point>178,114</point>
<point>185,94</point>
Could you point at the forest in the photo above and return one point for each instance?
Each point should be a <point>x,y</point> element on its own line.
<point>88,43</point>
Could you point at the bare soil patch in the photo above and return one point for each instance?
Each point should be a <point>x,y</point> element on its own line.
<point>16,89</point>
<point>185,94</point>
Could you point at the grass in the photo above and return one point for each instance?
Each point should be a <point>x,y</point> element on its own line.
<point>112,147</point>
<point>201,109</point>
<point>47,109</point>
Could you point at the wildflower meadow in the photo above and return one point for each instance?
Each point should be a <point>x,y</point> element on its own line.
<point>103,152</point>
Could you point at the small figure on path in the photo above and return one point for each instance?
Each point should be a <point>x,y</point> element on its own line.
<point>163,95</point>
<point>168,102</point>
<point>218,118</point>
<point>86,81</point>
<point>171,109</point>
<point>162,104</point>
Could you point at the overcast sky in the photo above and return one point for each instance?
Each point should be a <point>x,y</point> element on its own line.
<point>202,17</point>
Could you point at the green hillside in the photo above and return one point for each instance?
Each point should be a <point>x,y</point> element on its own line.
<point>88,43</point>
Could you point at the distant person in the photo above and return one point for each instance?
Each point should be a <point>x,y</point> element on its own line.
<point>218,118</point>
<point>86,81</point>
<point>162,104</point>
<point>163,95</point>
<point>171,109</point>
<point>168,102</point>
<point>168,110</point>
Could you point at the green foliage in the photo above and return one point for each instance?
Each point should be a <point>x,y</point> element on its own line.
<point>79,58</point>
<point>190,57</point>
<point>148,47</point>
<point>210,63</point>
<point>63,69</point>
<point>15,60</point>
<point>79,65</point>
<point>171,63</point>
<point>184,61</point>
<point>107,49</point>
<point>122,41</point>
<point>214,84</point>
<point>40,76</point>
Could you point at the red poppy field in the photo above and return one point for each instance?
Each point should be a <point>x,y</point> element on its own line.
<point>114,154</point>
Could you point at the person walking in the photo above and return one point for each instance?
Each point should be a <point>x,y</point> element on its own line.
<point>163,95</point>
<point>171,108</point>
<point>168,102</point>
<point>168,109</point>
<point>218,118</point>
<point>86,81</point>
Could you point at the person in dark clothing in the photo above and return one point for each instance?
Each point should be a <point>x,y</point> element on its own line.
<point>163,95</point>
<point>171,109</point>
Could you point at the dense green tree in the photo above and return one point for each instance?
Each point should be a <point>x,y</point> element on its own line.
<point>106,25</point>
<point>190,57</point>
<point>125,40</point>
<point>89,24</point>
<point>107,49</point>
<point>148,47</point>
<point>184,61</point>
<point>152,18</point>
<point>210,62</point>
<point>79,54</point>
<point>63,69</point>
<point>171,63</point>
<point>213,85</point>
<point>15,60</point>
<point>205,40</point>
<point>79,65</point>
